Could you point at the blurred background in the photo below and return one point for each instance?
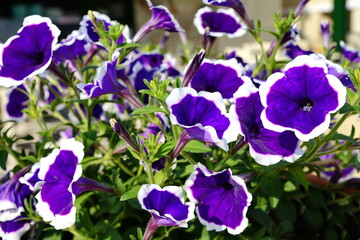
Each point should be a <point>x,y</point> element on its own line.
<point>66,14</point>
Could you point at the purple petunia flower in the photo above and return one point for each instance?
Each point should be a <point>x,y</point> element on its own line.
<point>73,47</point>
<point>222,199</point>
<point>203,116</point>
<point>17,101</point>
<point>106,82</point>
<point>14,229</point>
<point>166,205</point>
<point>223,76</point>
<point>349,53</point>
<point>219,23</point>
<point>59,171</point>
<point>237,5</point>
<point>12,196</point>
<point>302,98</point>
<point>161,19</point>
<point>266,146</point>
<point>29,52</point>
<point>293,51</point>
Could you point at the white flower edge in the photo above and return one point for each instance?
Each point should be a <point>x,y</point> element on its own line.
<point>16,235</point>
<point>230,12</point>
<point>209,225</point>
<point>177,191</point>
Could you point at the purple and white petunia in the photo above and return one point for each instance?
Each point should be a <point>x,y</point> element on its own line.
<point>73,47</point>
<point>29,52</point>
<point>349,53</point>
<point>59,171</point>
<point>166,205</point>
<point>222,199</point>
<point>219,23</point>
<point>339,175</point>
<point>293,51</point>
<point>237,5</point>
<point>14,229</point>
<point>105,81</point>
<point>223,76</point>
<point>325,32</point>
<point>302,98</point>
<point>17,101</point>
<point>266,146</point>
<point>161,19</point>
<point>12,196</point>
<point>203,116</point>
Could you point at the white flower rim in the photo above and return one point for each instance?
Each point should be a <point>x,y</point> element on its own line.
<point>209,225</point>
<point>230,12</point>
<point>334,82</point>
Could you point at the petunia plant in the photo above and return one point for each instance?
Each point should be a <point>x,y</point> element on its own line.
<point>109,136</point>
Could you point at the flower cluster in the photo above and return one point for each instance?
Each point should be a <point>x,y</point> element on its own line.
<point>209,143</point>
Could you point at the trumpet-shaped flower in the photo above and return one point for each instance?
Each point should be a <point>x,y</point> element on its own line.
<point>59,171</point>
<point>222,199</point>
<point>166,205</point>
<point>219,23</point>
<point>161,19</point>
<point>266,146</point>
<point>223,76</point>
<point>29,52</point>
<point>203,115</point>
<point>302,98</point>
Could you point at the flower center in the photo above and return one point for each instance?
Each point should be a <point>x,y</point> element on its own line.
<point>38,58</point>
<point>306,105</point>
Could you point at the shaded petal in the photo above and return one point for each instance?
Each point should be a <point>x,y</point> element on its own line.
<point>14,229</point>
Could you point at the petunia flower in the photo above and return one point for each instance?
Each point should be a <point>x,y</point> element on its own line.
<point>12,196</point>
<point>14,229</point>
<point>293,51</point>
<point>17,101</point>
<point>59,171</point>
<point>237,5</point>
<point>106,82</point>
<point>87,27</point>
<point>203,116</point>
<point>266,146</point>
<point>349,53</point>
<point>302,98</point>
<point>338,175</point>
<point>161,19</point>
<point>73,47</point>
<point>220,23</point>
<point>222,199</point>
<point>223,76</point>
<point>29,52</point>
<point>166,205</point>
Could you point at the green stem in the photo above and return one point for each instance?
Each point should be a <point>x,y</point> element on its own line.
<point>188,158</point>
<point>150,173</point>
<point>124,168</point>
<point>77,233</point>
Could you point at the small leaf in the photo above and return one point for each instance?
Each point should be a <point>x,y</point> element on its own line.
<point>299,176</point>
<point>195,146</point>
<point>159,177</point>
<point>130,194</point>
<point>3,159</point>
<point>346,108</point>
<point>271,186</point>
<point>147,109</point>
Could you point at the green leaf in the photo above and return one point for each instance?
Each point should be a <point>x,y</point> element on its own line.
<point>299,176</point>
<point>147,109</point>
<point>159,177</point>
<point>165,149</point>
<point>130,194</point>
<point>355,77</point>
<point>271,186</point>
<point>344,137</point>
<point>3,159</point>
<point>346,108</point>
<point>195,146</point>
